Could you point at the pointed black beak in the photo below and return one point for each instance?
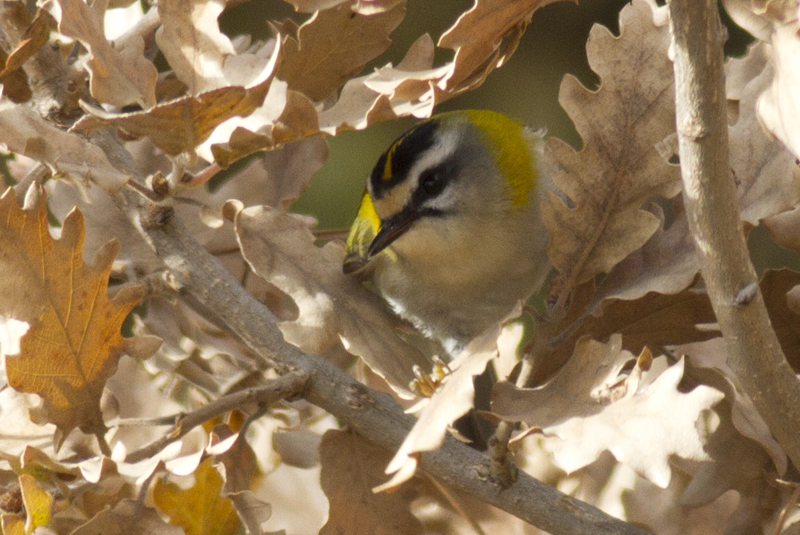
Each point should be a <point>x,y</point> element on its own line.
<point>392,229</point>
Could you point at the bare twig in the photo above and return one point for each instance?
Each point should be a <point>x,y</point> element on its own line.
<point>283,387</point>
<point>710,198</point>
<point>374,415</point>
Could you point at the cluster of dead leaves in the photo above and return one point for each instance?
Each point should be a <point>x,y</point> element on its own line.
<point>667,441</point>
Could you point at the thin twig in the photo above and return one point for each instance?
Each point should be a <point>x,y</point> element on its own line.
<point>286,386</point>
<point>709,195</point>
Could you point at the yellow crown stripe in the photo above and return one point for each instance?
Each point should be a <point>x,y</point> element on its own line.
<point>387,168</point>
<point>511,151</point>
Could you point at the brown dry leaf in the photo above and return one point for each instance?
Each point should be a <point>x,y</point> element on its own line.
<point>280,248</point>
<point>118,76</point>
<point>767,178</point>
<point>183,124</point>
<point>776,23</point>
<point>786,322</point>
<point>767,184</point>
<point>23,131</point>
<point>739,463</point>
<point>12,77</point>
<point>498,26</point>
<point>591,409</point>
<point>74,340</point>
<point>452,400</point>
<point>351,467</point>
<point>654,320</point>
<point>200,509</point>
<point>619,167</point>
<point>333,46</point>
<point>192,43</point>
<point>713,354</point>
<point>128,517</point>
<point>389,92</point>
<point>365,7</point>
<point>667,263</point>
<point>784,229</point>
<point>37,34</point>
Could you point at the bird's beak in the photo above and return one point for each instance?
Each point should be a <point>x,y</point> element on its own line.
<point>392,229</point>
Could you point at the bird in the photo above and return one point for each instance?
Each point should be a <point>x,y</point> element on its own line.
<point>449,230</point>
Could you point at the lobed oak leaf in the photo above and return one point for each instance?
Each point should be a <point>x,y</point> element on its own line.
<point>766,174</point>
<point>653,319</point>
<point>713,354</point>
<point>499,24</point>
<point>192,43</point>
<point>351,467</point>
<point>767,184</point>
<point>333,46</point>
<point>601,221</point>
<point>128,517</point>
<point>74,340</point>
<point>200,509</point>
<point>454,398</point>
<point>280,248</point>
<point>776,23</point>
<point>642,419</point>
<point>118,76</point>
<point>23,131</point>
<point>364,7</point>
<point>182,124</point>
<point>13,79</point>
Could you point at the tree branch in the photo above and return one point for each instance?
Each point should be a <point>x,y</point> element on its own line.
<point>286,386</point>
<point>374,415</point>
<point>709,195</point>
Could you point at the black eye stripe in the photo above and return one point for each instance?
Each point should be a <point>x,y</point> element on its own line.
<point>401,157</point>
<point>433,181</point>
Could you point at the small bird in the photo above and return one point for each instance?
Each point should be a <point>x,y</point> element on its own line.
<point>449,230</point>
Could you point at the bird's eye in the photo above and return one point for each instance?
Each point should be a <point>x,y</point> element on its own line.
<point>432,183</point>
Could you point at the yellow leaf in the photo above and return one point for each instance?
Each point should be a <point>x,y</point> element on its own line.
<point>38,503</point>
<point>13,525</point>
<point>199,510</point>
<point>74,341</point>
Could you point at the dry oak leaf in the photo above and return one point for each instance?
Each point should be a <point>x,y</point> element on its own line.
<point>364,7</point>
<point>653,320</point>
<point>451,400</point>
<point>37,34</point>
<point>74,340</point>
<point>619,167</point>
<point>642,420</point>
<point>484,38</point>
<point>280,248</point>
<point>333,46</point>
<point>118,76</point>
<point>127,517</point>
<point>23,131</point>
<point>193,44</point>
<point>351,467</point>
<point>182,124</point>
<point>200,509</point>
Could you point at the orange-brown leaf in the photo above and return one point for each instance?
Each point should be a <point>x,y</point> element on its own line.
<point>333,46</point>
<point>74,341</point>
<point>351,466</point>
